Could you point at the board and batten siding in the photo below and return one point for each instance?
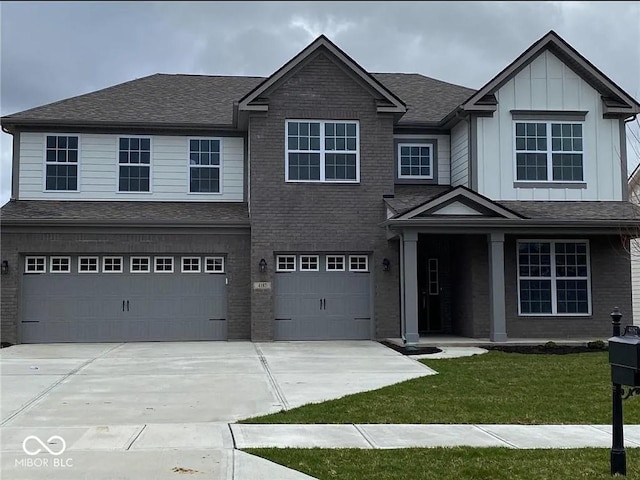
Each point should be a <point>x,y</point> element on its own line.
<point>443,152</point>
<point>548,84</point>
<point>460,154</point>
<point>98,170</point>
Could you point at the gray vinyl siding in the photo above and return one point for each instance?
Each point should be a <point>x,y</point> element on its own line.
<point>98,170</point>
<point>460,154</point>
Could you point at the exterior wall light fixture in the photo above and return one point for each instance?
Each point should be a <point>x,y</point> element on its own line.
<point>386,264</point>
<point>263,265</point>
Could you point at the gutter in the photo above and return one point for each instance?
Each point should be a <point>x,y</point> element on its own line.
<point>507,223</point>
<point>119,223</point>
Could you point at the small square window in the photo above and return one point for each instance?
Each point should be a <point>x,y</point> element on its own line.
<point>60,265</point>
<point>140,265</point>
<point>309,263</point>
<point>35,265</point>
<point>163,265</point>
<point>335,263</point>
<point>286,263</point>
<point>88,264</point>
<point>190,264</point>
<point>358,263</point>
<point>214,264</point>
<point>111,264</point>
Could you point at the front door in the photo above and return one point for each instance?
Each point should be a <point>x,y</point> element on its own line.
<point>429,311</point>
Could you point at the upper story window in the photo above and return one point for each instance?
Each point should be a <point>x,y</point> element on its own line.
<point>134,160</point>
<point>322,151</point>
<point>204,165</point>
<point>415,160</point>
<point>61,160</point>
<point>549,152</point>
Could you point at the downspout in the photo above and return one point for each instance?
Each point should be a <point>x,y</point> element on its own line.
<point>402,310</point>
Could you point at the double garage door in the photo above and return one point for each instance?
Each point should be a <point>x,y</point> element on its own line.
<point>111,298</point>
<point>322,297</point>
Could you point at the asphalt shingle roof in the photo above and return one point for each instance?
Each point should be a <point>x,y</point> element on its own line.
<point>174,100</point>
<point>130,213</point>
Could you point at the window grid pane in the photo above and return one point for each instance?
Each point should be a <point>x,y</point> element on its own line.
<point>163,264</point>
<point>61,162</point>
<point>134,157</point>
<point>35,265</point>
<point>335,263</point>
<point>415,161</point>
<point>553,277</point>
<point>286,263</point>
<point>309,263</point>
<point>321,151</point>
<point>214,264</point>
<point>358,263</point>
<point>191,264</point>
<point>140,265</point>
<point>112,264</point>
<point>88,264</point>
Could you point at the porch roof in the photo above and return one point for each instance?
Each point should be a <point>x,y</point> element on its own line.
<point>609,214</point>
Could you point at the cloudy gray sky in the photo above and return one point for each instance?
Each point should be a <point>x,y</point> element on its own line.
<point>50,51</point>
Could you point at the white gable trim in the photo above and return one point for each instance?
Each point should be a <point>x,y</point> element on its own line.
<point>458,196</point>
<point>456,208</point>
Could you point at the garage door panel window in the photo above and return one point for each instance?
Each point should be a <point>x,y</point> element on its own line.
<point>112,264</point>
<point>140,265</point>
<point>214,264</point>
<point>60,264</point>
<point>309,263</point>
<point>190,264</point>
<point>88,265</point>
<point>163,265</point>
<point>335,263</point>
<point>358,263</point>
<point>286,263</point>
<point>554,278</point>
<point>35,265</point>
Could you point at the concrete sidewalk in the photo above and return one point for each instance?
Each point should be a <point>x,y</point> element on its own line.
<point>381,436</point>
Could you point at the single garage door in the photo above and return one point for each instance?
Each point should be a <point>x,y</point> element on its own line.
<point>322,297</point>
<point>123,299</point>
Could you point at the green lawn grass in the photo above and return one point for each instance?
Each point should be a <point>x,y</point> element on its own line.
<point>451,463</point>
<point>496,387</point>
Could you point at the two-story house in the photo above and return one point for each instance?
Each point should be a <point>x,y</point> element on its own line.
<point>322,202</point>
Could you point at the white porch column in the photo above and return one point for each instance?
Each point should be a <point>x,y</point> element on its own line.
<point>410,264</point>
<point>496,288</point>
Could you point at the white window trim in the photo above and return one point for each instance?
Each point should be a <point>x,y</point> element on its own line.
<point>155,264</point>
<point>36,257</point>
<point>44,162</point>
<point>59,257</point>
<point>109,257</point>
<point>118,164</point>
<point>182,269</point>
<point>322,150</point>
<point>335,269</point>
<point>553,278</point>
<point>421,145</point>
<point>366,269</point>
<point>189,166</point>
<point>131,270</point>
<point>278,257</point>
<point>317,258</point>
<point>549,152</point>
<point>97,259</point>
<point>213,270</point>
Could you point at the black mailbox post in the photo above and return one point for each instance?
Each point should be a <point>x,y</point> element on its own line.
<point>624,357</point>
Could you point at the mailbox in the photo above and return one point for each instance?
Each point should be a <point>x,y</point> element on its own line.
<point>624,357</point>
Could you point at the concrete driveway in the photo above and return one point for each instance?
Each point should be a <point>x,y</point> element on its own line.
<point>161,410</point>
